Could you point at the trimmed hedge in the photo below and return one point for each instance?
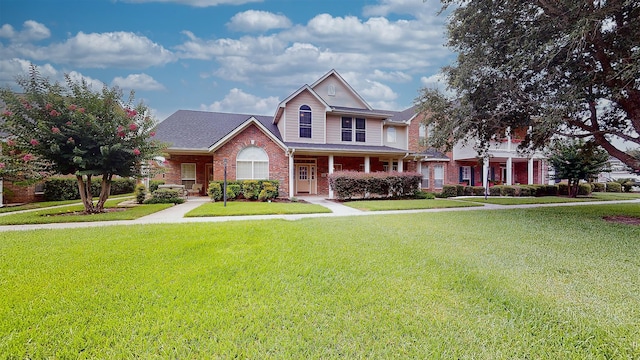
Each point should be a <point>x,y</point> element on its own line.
<point>350,184</point>
<point>614,187</point>
<point>165,196</point>
<point>598,187</point>
<point>449,191</point>
<point>262,190</point>
<point>57,189</point>
<point>584,189</point>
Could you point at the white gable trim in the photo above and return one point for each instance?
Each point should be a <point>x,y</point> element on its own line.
<point>346,84</point>
<point>284,102</point>
<point>239,129</point>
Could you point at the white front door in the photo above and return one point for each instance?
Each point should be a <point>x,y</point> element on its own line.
<point>303,179</point>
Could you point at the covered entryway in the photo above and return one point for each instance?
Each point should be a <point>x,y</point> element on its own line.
<point>306,177</point>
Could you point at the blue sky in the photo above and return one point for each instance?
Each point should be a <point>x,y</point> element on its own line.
<point>227,55</point>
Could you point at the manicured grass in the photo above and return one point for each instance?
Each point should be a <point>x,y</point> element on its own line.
<point>509,200</point>
<point>381,205</point>
<point>59,214</point>
<point>544,283</point>
<point>44,204</point>
<point>236,208</point>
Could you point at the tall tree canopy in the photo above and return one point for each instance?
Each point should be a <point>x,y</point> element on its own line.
<point>52,128</point>
<point>561,67</point>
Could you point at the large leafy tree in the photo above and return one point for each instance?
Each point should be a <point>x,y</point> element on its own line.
<point>561,67</point>
<point>577,160</point>
<point>72,129</point>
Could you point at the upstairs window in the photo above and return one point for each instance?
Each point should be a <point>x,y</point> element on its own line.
<point>391,134</point>
<point>305,121</point>
<point>361,130</point>
<point>351,125</point>
<point>347,129</point>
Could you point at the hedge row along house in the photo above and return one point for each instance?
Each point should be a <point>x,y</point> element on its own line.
<point>320,129</point>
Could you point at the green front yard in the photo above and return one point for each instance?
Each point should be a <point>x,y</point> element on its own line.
<point>235,208</point>
<point>545,283</point>
<point>382,205</point>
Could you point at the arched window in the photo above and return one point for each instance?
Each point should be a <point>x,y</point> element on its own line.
<point>252,163</point>
<point>305,121</point>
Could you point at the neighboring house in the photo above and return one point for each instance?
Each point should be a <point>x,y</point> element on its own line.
<point>618,170</point>
<point>504,166</point>
<point>321,128</point>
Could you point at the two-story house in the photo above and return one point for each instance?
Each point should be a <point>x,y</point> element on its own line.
<point>320,128</point>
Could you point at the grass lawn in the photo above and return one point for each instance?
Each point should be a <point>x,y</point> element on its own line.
<point>544,283</point>
<point>235,208</point>
<point>551,199</point>
<point>65,214</point>
<point>381,205</point>
<point>43,204</point>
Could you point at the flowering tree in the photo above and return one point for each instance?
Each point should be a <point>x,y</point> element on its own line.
<point>71,129</point>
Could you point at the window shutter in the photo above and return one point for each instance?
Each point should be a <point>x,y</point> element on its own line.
<point>460,177</point>
<point>473,173</point>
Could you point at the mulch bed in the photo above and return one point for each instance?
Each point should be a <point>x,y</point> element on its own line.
<point>627,220</point>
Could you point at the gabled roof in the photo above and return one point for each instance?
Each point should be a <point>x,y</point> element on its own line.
<point>284,102</point>
<point>333,72</point>
<point>200,130</point>
<point>404,115</point>
<point>433,155</point>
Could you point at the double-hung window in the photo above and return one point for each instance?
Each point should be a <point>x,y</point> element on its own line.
<point>425,176</point>
<point>351,125</point>
<point>347,129</point>
<point>188,174</point>
<point>305,121</point>
<point>438,176</point>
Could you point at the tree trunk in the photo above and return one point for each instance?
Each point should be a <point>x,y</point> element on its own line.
<point>105,189</point>
<point>85,193</point>
<point>573,188</point>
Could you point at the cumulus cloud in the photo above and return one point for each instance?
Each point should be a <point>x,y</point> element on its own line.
<point>258,21</point>
<point>197,3</point>
<point>94,84</point>
<point>436,81</point>
<point>137,82</point>
<point>424,10</point>
<point>10,68</point>
<point>393,76</point>
<point>238,101</point>
<point>31,31</point>
<point>102,50</point>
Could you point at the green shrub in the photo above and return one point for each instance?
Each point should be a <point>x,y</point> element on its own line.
<point>141,193</point>
<point>460,190</point>
<point>58,189</point>
<point>122,186</point>
<point>527,190</point>
<point>507,190</point>
<point>495,190</point>
<point>424,195</point>
<point>478,190</point>
<point>165,196</point>
<point>614,187</point>
<point>215,191</point>
<point>153,185</point>
<point>550,190</point>
<point>627,184</point>
<point>250,189</point>
<point>584,189</point>
<point>597,187</point>
<point>233,191</point>
<point>348,184</point>
<point>449,191</point>
<point>269,191</point>
<point>563,189</point>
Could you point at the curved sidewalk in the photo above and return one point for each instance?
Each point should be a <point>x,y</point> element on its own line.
<point>175,214</point>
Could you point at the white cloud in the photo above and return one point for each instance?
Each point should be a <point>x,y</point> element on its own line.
<point>437,81</point>
<point>137,82</point>
<point>424,10</point>
<point>197,3</point>
<point>258,21</point>
<point>393,76</point>
<point>31,31</point>
<point>94,84</point>
<point>102,50</point>
<point>10,68</point>
<point>237,101</point>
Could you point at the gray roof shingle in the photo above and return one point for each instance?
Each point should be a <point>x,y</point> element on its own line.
<point>189,129</point>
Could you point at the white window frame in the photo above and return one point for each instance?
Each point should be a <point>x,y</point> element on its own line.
<point>306,109</point>
<point>425,176</point>
<point>438,176</point>
<point>184,174</point>
<point>257,162</point>
<point>391,134</point>
<point>466,173</point>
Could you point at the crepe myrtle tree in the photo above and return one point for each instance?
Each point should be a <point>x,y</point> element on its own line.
<point>576,160</point>
<point>72,129</point>
<point>562,67</point>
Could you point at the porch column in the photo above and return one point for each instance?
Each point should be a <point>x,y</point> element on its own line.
<point>509,170</point>
<point>485,174</point>
<point>530,172</point>
<point>292,176</point>
<point>330,172</point>
<point>367,164</point>
<point>400,165</point>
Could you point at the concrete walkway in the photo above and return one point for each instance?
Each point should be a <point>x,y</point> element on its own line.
<point>175,214</point>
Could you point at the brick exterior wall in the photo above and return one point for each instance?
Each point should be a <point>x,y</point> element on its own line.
<point>15,194</point>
